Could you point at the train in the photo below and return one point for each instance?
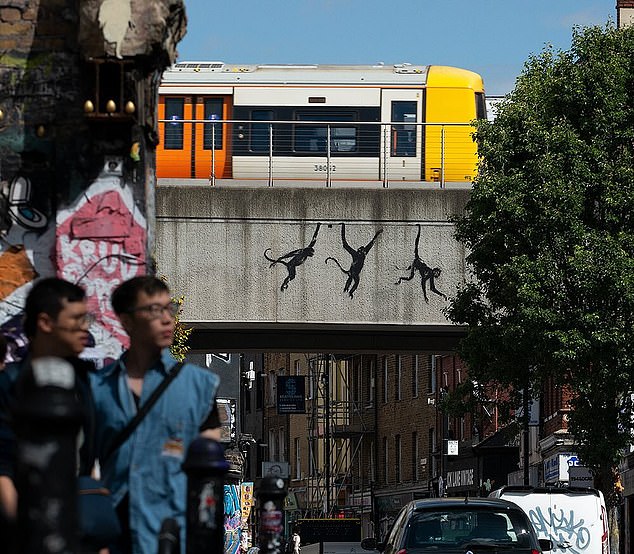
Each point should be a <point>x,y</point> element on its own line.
<point>351,123</point>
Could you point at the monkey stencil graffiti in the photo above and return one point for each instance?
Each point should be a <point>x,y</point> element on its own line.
<point>295,258</point>
<point>426,273</point>
<point>358,260</point>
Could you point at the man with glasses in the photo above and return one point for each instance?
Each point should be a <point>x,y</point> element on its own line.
<point>144,474</point>
<point>56,322</point>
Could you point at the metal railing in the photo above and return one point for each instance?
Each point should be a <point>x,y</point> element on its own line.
<point>325,151</point>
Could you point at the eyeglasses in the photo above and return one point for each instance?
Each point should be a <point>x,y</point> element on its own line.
<point>155,311</point>
<point>83,321</point>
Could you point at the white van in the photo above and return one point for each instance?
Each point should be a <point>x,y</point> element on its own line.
<point>574,519</point>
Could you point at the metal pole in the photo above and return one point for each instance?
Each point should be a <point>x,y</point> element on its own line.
<point>328,177</point>
<point>386,145</point>
<point>270,154</point>
<point>525,437</point>
<point>47,419</point>
<point>270,494</point>
<point>206,467</point>
<point>442,157</point>
<point>213,154</point>
<point>327,432</point>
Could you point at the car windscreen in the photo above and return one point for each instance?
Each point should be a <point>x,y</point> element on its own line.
<point>432,528</point>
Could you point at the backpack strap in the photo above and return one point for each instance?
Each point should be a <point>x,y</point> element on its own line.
<point>125,433</point>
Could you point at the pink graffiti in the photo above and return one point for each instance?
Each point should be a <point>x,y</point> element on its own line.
<point>98,246</point>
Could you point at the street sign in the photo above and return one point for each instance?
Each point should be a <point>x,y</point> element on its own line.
<point>291,398</point>
<point>452,448</point>
<point>580,476</point>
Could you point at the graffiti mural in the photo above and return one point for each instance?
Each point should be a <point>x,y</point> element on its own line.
<point>561,528</point>
<point>97,242</point>
<point>357,263</point>
<point>295,259</point>
<point>26,243</point>
<point>100,242</point>
<point>233,519</point>
<point>427,274</point>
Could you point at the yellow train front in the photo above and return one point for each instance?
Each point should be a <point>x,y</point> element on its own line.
<point>314,122</point>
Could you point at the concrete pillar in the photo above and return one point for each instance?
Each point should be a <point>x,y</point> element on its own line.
<point>79,84</point>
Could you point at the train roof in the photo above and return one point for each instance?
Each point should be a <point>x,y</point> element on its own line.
<point>309,74</point>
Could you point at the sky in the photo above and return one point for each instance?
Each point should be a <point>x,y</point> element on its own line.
<point>491,37</point>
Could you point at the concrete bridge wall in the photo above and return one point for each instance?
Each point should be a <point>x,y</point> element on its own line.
<point>211,244</point>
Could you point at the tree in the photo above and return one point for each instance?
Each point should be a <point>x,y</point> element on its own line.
<point>179,346</point>
<point>550,234</point>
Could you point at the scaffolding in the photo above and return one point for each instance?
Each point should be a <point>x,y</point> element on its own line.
<point>340,429</point>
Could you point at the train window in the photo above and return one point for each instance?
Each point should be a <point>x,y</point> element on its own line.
<point>481,107</point>
<point>174,111</point>
<point>313,138</point>
<point>260,131</point>
<point>404,136</point>
<point>212,131</point>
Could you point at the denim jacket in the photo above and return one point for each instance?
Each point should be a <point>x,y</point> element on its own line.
<point>148,465</point>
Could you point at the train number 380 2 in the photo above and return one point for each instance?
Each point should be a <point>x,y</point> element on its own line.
<point>324,167</point>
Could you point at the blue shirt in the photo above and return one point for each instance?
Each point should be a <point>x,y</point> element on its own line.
<point>147,466</point>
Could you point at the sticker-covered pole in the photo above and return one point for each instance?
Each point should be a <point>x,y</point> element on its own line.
<point>206,467</point>
<point>47,418</point>
<point>270,494</point>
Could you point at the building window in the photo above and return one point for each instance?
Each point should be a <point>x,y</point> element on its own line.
<point>272,450</point>
<point>297,368</point>
<point>415,456</point>
<point>298,460</point>
<point>175,113</point>
<point>372,387</point>
<point>356,380</point>
<point>415,376</point>
<point>385,461</point>
<point>431,377</point>
<point>272,389</point>
<point>311,379</point>
<point>397,457</point>
<point>311,457</point>
<point>385,380</point>
<point>372,462</point>
<point>281,445</point>
<point>397,379</point>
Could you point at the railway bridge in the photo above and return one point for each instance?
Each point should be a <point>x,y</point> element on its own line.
<point>304,267</point>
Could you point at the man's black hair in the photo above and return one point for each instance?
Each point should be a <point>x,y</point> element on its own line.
<point>125,296</point>
<point>47,296</point>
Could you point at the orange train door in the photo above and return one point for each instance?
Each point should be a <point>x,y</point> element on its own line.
<point>173,153</point>
<point>206,135</point>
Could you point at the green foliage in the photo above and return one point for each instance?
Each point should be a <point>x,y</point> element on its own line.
<point>550,234</point>
<point>179,346</point>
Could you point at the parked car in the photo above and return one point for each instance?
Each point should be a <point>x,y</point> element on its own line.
<point>451,525</point>
<point>573,518</point>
